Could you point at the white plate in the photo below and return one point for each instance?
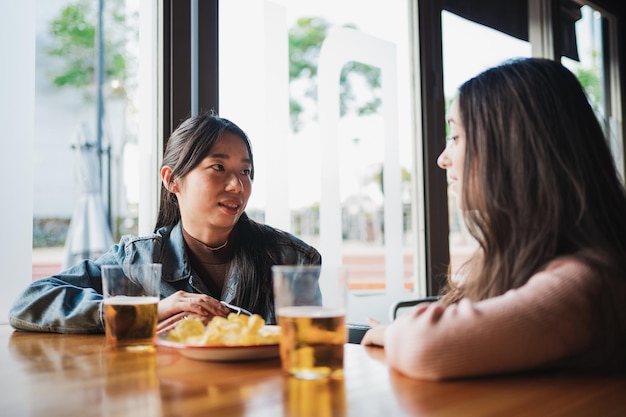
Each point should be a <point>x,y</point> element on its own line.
<point>221,353</point>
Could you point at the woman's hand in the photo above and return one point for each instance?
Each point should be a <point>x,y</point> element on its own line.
<point>375,335</point>
<point>182,305</point>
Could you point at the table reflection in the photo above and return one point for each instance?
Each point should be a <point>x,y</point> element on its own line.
<point>315,398</point>
<point>136,373</point>
<point>46,352</point>
<point>90,378</point>
<point>53,375</point>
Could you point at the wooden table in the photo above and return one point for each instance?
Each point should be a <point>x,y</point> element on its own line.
<point>76,375</point>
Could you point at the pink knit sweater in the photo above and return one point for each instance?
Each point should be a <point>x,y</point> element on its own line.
<point>564,317</point>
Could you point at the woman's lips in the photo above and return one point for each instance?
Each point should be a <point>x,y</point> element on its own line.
<point>230,207</point>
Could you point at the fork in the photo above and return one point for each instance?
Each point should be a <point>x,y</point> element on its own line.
<point>236,309</point>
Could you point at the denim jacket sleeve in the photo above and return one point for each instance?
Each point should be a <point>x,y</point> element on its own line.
<point>70,302</point>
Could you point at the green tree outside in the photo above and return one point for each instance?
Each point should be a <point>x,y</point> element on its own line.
<point>305,42</point>
<point>74,32</point>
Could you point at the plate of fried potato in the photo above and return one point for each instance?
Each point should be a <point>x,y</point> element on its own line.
<point>224,339</point>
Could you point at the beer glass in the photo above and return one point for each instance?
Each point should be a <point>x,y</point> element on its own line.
<point>131,297</point>
<point>312,325</point>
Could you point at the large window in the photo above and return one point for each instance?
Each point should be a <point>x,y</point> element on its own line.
<point>592,64</point>
<point>87,110</point>
<point>324,94</point>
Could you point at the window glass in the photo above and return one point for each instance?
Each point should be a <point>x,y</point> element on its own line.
<point>590,70</point>
<point>85,169</point>
<point>465,54</point>
<point>589,66</point>
<point>323,92</point>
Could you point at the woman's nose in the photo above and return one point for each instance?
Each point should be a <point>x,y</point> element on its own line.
<point>443,161</point>
<point>234,183</point>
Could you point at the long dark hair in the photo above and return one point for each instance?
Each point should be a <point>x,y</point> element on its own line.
<point>254,245</point>
<point>255,253</point>
<point>539,178</point>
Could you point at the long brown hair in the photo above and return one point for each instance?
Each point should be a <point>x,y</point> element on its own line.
<point>539,180</point>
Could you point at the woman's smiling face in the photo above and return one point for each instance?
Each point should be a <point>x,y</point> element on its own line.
<point>214,194</point>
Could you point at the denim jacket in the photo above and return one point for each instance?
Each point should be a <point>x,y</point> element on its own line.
<point>71,302</point>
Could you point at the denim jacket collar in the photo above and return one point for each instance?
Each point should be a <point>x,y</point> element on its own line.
<point>179,267</point>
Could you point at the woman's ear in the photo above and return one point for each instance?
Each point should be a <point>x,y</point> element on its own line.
<point>166,175</point>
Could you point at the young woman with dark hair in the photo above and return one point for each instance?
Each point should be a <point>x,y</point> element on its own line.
<point>210,250</point>
<point>541,195</point>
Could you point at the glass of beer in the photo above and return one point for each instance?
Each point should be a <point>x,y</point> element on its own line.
<point>131,295</point>
<point>312,325</point>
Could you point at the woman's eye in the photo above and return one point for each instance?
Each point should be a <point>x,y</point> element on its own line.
<point>246,172</point>
<point>218,167</point>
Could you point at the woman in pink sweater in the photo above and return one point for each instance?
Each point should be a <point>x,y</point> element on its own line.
<point>540,193</point>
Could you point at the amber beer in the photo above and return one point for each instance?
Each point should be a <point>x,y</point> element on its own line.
<point>131,321</point>
<point>312,341</point>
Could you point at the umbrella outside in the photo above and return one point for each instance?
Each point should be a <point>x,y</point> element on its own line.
<point>89,234</point>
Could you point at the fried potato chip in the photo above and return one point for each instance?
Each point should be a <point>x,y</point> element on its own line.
<point>234,330</point>
<point>186,329</point>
